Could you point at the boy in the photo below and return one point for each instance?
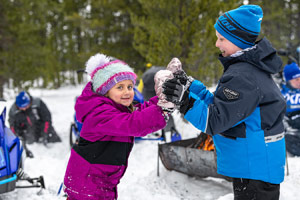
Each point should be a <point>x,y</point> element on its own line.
<point>291,92</point>
<point>245,113</point>
<point>30,119</point>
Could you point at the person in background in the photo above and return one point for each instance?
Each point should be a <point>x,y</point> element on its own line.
<point>291,92</point>
<point>110,123</point>
<point>30,119</point>
<point>245,113</point>
<point>146,84</point>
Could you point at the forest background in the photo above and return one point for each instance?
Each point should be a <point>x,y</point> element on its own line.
<point>44,42</point>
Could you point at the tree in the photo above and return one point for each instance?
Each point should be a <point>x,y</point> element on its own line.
<point>111,30</point>
<point>183,29</point>
<point>4,43</point>
<point>42,41</point>
<point>25,54</point>
<point>280,23</point>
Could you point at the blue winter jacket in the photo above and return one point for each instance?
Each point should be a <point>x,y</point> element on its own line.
<point>292,97</point>
<point>245,115</point>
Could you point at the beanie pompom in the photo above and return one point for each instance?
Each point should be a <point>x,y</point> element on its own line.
<point>96,61</point>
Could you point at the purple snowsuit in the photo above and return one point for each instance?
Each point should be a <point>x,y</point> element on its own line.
<point>99,161</point>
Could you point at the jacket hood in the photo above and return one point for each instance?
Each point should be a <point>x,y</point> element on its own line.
<point>262,55</point>
<point>89,100</point>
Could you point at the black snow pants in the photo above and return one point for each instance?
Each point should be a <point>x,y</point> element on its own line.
<point>248,189</point>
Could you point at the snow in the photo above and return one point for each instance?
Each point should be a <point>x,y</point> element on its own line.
<point>140,180</point>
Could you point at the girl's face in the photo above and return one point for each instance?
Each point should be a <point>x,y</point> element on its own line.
<point>122,93</point>
<point>226,47</point>
<point>295,83</point>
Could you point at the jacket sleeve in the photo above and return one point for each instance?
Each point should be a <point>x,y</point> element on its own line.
<point>44,112</point>
<point>45,116</point>
<point>235,99</point>
<point>199,89</point>
<point>110,121</point>
<point>17,121</point>
<point>152,101</point>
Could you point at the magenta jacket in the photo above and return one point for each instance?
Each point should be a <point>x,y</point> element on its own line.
<point>99,160</point>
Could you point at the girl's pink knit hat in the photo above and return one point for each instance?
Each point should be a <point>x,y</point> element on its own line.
<point>106,73</point>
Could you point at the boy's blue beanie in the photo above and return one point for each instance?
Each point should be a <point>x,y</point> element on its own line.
<point>241,26</point>
<point>23,99</point>
<point>291,71</point>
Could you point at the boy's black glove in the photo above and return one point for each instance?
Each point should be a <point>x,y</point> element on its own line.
<point>184,78</point>
<point>176,93</point>
<point>186,103</point>
<point>181,75</point>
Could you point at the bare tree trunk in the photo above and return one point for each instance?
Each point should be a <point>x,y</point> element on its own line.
<point>2,81</point>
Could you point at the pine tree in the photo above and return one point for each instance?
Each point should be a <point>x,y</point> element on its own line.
<point>26,53</point>
<point>42,40</point>
<point>183,29</point>
<point>111,31</point>
<point>280,24</point>
<point>4,44</point>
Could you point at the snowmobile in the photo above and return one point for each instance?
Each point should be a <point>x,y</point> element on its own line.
<point>194,157</point>
<point>74,131</point>
<point>11,159</point>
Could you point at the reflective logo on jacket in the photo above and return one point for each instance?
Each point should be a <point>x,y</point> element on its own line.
<point>292,97</point>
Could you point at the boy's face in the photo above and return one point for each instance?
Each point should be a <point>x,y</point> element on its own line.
<point>24,108</point>
<point>295,83</point>
<point>122,93</point>
<point>226,47</point>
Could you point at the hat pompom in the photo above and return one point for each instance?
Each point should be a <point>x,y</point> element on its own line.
<point>96,61</point>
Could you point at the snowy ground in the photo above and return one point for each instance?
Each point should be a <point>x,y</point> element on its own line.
<point>141,180</point>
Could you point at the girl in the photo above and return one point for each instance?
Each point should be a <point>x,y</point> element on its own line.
<point>99,160</point>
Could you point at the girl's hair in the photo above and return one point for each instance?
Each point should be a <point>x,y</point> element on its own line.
<point>131,107</point>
